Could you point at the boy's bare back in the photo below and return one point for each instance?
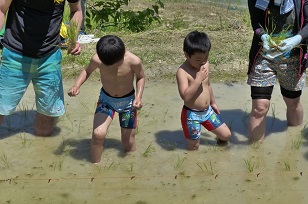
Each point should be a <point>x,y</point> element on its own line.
<point>186,76</point>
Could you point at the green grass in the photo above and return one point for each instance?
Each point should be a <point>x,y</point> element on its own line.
<point>160,47</point>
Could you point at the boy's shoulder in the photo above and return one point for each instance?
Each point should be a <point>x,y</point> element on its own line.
<point>131,58</point>
<point>183,67</point>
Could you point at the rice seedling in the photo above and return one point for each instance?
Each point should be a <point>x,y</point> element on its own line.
<point>296,178</point>
<point>296,144</point>
<point>67,115</point>
<point>108,165</point>
<point>79,125</point>
<point>245,118</point>
<point>273,114</point>
<point>53,165</point>
<point>72,30</point>
<point>169,145</point>
<point>23,140</point>
<point>148,151</point>
<point>131,165</point>
<point>206,168</point>
<point>5,160</point>
<point>250,165</point>
<point>99,168</point>
<point>60,163</point>
<point>215,148</point>
<point>256,145</point>
<point>25,110</point>
<point>179,162</point>
<point>165,115</point>
<point>85,106</point>
<point>287,165</point>
<point>275,39</point>
<point>111,165</point>
<point>304,132</point>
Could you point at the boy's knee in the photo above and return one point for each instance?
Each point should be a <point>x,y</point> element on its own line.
<point>98,135</point>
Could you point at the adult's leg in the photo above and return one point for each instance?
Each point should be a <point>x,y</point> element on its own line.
<point>295,111</point>
<point>100,129</point>
<point>257,119</point>
<point>128,139</point>
<point>49,97</point>
<point>44,124</point>
<point>261,97</point>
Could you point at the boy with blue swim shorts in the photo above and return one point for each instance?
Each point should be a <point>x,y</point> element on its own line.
<point>118,69</point>
<point>30,54</point>
<point>195,89</point>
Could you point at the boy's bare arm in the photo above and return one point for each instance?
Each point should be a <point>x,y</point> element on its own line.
<point>187,91</point>
<point>212,100</point>
<point>140,81</point>
<point>84,75</point>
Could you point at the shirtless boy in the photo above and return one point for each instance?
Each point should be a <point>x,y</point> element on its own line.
<point>118,69</point>
<point>195,89</point>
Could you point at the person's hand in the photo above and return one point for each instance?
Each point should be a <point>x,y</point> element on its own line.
<point>202,73</point>
<point>137,103</point>
<point>76,50</point>
<point>73,91</point>
<point>288,44</point>
<point>215,108</point>
<point>268,43</point>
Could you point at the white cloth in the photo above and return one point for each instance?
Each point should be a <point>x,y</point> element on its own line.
<point>285,5</point>
<point>84,39</point>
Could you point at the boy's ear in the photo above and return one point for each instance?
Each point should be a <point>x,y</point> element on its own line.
<point>186,55</point>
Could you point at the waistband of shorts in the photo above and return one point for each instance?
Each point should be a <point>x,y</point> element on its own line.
<point>194,110</point>
<point>126,95</point>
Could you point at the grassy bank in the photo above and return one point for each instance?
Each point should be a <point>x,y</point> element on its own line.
<point>160,47</point>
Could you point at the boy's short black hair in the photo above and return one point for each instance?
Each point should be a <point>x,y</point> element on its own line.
<point>196,41</point>
<point>110,49</point>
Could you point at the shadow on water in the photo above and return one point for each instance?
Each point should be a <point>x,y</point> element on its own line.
<point>79,149</point>
<point>21,122</point>
<point>236,120</point>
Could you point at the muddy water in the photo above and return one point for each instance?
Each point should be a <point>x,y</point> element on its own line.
<point>57,169</point>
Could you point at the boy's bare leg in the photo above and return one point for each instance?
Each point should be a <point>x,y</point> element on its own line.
<point>193,144</point>
<point>256,125</point>
<point>128,139</point>
<point>44,124</point>
<point>295,112</point>
<point>100,129</point>
<point>223,133</point>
